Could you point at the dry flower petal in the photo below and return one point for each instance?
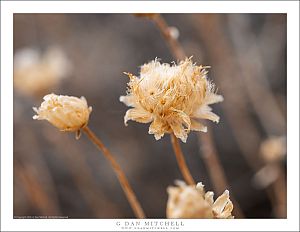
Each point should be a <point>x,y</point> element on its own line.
<point>189,201</point>
<point>222,207</point>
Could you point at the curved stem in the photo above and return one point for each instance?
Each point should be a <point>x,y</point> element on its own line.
<point>135,205</point>
<point>181,161</point>
<point>175,47</point>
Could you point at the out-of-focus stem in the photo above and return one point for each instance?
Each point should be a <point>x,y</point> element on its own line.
<point>221,52</point>
<point>227,79</point>
<point>215,169</point>
<point>253,74</point>
<point>263,100</point>
<point>84,180</point>
<point>34,162</point>
<point>35,192</point>
<point>175,47</point>
<point>119,172</point>
<point>279,188</point>
<point>181,161</point>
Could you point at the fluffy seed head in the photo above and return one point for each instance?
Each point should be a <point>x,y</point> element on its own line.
<point>64,112</point>
<point>189,201</point>
<point>172,97</point>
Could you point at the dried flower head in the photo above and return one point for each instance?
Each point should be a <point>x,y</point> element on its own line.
<point>36,73</point>
<point>64,112</point>
<point>172,97</point>
<point>273,149</point>
<point>190,201</point>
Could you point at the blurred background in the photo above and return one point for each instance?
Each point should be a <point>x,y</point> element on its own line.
<point>86,55</point>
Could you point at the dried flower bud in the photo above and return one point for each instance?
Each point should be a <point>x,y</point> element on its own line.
<point>172,97</point>
<point>36,73</point>
<point>64,112</point>
<point>273,149</point>
<point>187,201</point>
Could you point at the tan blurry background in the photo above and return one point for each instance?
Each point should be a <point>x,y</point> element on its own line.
<point>56,175</point>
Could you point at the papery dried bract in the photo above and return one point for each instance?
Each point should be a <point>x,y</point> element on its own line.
<point>189,201</point>
<point>172,97</point>
<point>64,112</point>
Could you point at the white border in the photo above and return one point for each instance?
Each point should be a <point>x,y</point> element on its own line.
<point>7,10</point>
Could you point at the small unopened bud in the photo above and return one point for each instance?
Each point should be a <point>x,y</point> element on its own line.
<point>174,32</point>
<point>64,112</point>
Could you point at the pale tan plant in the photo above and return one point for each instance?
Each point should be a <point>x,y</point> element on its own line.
<point>72,114</point>
<point>191,201</point>
<point>37,73</point>
<point>64,112</point>
<point>273,149</point>
<point>172,97</point>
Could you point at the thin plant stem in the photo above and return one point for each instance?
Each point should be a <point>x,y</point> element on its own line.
<point>279,189</point>
<point>178,52</point>
<point>181,161</point>
<point>174,45</point>
<point>135,205</point>
<point>84,180</point>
